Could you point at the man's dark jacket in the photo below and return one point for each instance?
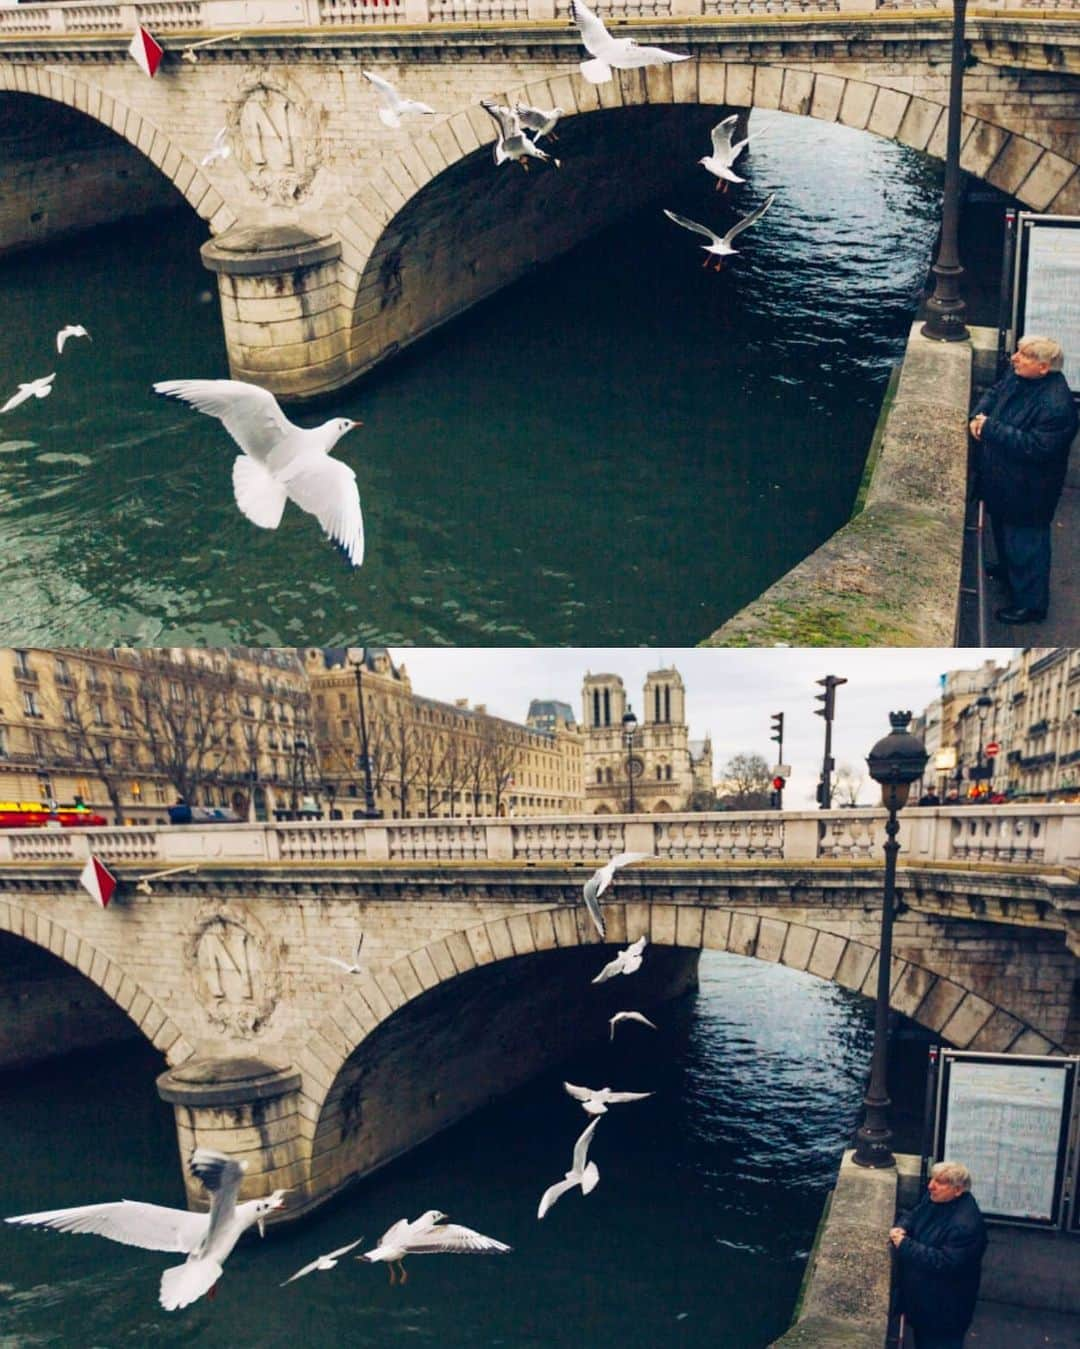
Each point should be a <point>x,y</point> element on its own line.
<point>939,1263</point>
<point>1024,446</point>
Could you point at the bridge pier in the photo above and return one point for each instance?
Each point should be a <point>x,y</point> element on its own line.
<point>280,308</point>
<point>246,1107</point>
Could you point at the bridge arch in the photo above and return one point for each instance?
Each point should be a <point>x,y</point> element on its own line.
<point>130,125</point>
<point>90,961</point>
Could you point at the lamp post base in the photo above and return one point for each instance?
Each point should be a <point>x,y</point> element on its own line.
<point>872,1148</point>
<point>946,309</point>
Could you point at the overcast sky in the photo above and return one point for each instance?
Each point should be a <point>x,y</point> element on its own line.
<point>730,694</point>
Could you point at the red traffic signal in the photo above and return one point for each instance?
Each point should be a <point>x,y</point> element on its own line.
<point>778,783</point>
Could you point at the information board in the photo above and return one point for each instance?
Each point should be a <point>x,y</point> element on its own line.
<point>1006,1122</point>
<point>1047,290</point>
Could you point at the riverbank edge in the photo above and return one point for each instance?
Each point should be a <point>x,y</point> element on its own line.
<point>844,1299</point>
<point>891,575</point>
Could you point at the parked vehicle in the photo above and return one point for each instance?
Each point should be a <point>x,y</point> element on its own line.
<point>47,814</point>
<point>182,813</point>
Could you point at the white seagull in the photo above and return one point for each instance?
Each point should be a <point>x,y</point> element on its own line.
<point>619,53</point>
<point>281,461</point>
<point>328,1261</point>
<point>595,1100</point>
<point>719,246</point>
<point>599,881</point>
<point>629,1016</point>
<point>221,149</point>
<point>627,961</point>
<point>512,142</point>
<point>392,107</point>
<point>725,152</point>
<point>540,121</point>
<point>72,330</point>
<point>37,388</point>
<point>207,1238</point>
<point>580,1173</point>
<point>355,967</point>
<point>424,1236</point>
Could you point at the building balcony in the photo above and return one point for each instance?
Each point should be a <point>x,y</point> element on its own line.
<point>1038,761</point>
<point>25,675</point>
<point>1039,727</point>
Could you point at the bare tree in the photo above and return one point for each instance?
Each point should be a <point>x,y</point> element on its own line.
<point>475,765</point>
<point>746,782</point>
<point>404,753</point>
<point>846,785</point>
<point>501,756</point>
<point>430,753</point>
<point>87,740</point>
<point>189,713</point>
<point>453,769</point>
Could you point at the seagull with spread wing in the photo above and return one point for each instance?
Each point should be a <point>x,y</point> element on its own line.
<point>599,881</point>
<point>219,150</point>
<point>540,121</point>
<point>629,1016</point>
<point>719,246</point>
<point>353,968</point>
<point>392,106</point>
<point>323,1262</point>
<point>71,330</point>
<point>425,1236</point>
<point>206,1238</point>
<point>725,151</point>
<point>613,53</point>
<point>582,1172</point>
<point>627,961</point>
<point>512,142</point>
<point>281,462</point>
<point>595,1100</point>
<point>36,388</point>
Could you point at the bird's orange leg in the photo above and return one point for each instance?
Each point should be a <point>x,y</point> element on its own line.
<point>390,1269</point>
<point>707,260</point>
<point>404,1275</point>
<point>213,1292</point>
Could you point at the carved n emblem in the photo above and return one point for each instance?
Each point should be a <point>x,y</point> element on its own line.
<point>234,964</point>
<point>276,136</point>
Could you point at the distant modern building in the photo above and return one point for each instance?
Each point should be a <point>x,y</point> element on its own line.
<point>548,714</point>
<point>665,766</point>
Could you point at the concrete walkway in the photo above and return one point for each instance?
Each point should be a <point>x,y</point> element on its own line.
<point>1062,625</point>
<point>998,1325</point>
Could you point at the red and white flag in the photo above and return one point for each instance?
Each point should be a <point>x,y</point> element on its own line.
<point>98,880</point>
<point>147,51</point>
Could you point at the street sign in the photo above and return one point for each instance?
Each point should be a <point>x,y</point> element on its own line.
<point>992,748</point>
<point>781,770</point>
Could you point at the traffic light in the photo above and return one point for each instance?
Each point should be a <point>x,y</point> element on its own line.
<point>778,783</point>
<point>777,732</point>
<point>828,698</point>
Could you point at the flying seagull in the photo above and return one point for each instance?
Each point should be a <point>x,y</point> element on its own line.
<point>580,1173</point>
<point>219,150</point>
<point>354,968</point>
<point>719,246</point>
<point>37,388</point>
<point>628,961</point>
<point>207,1238</point>
<point>281,461</point>
<point>72,330</point>
<point>512,142</point>
<point>629,1016</point>
<point>725,152</point>
<point>540,121</point>
<point>599,881</point>
<point>323,1261</point>
<point>424,1236</point>
<point>392,107</point>
<point>595,1100</point>
<point>619,53</point>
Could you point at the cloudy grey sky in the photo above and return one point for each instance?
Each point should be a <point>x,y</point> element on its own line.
<point>730,694</point>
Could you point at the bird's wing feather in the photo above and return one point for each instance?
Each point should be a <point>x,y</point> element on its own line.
<point>344,1250</point>
<point>24,393</point>
<point>149,1226</point>
<point>392,1234</point>
<point>618,1097</point>
<point>578,1093</point>
<point>624,859</point>
<point>221,1175</point>
<point>250,415</point>
<point>636,948</point>
<point>612,968</point>
<point>692,225</point>
<point>184,1284</point>
<point>327,488</point>
<point>592,903</point>
<point>593,33</point>
<point>596,71</point>
<point>258,494</point>
<point>552,1193</point>
<point>749,220</point>
<point>581,1147</point>
<point>377,80</point>
<point>506,119</point>
<point>721,135</point>
<point>453,1239</point>
<point>314,1264</point>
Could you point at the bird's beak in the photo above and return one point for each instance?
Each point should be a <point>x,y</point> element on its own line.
<point>262,1227</point>
<point>354,425</point>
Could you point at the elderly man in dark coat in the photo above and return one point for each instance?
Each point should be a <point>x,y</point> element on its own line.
<point>939,1250</point>
<point>1024,425</point>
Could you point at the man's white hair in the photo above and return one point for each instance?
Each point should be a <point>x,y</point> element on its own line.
<point>952,1173</point>
<point>1043,349</point>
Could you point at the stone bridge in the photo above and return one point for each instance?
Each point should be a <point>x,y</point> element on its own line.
<point>336,241</point>
<point>477,957</point>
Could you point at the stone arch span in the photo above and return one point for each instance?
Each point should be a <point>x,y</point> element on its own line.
<point>384,221</point>
<point>125,121</point>
<point>360,1106</point>
<point>89,960</point>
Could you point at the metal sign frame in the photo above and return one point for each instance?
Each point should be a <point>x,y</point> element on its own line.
<point>1019,245</point>
<point>1065,1206</point>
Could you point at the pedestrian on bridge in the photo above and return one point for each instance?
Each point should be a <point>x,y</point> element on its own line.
<point>1024,425</point>
<point>939,1250</point>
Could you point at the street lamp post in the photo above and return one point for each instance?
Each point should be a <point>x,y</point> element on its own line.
<point>983,704</point>
<point>629,726</point>
<point>370,813</point>
<point>896,761</point>
<point>946,307</point>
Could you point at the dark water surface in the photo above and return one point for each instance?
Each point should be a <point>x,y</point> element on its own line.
<point>710,1193</point>
<point>621,449</point>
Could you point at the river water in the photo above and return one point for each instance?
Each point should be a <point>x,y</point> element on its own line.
<point>697,1235</point>
<point>621,449</point>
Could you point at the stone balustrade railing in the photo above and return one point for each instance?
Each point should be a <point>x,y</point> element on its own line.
<point>166,18</point>
<point>1034,836</point>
